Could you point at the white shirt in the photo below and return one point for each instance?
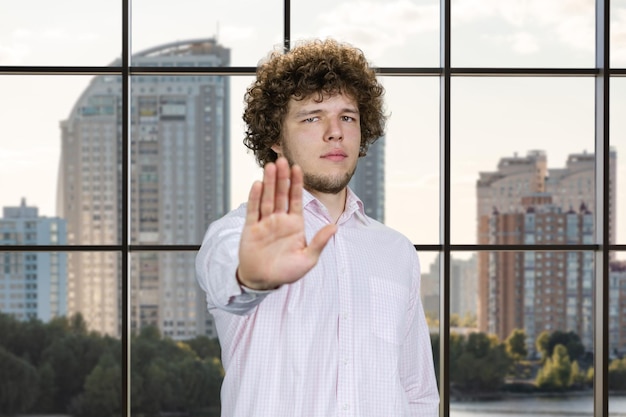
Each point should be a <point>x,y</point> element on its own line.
<point>348,339</point>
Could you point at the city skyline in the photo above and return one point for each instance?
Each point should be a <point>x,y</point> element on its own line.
<point>180,183</point>
<point>491,117</point>
<point>523,79</point>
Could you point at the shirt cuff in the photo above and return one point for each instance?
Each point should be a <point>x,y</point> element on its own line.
<point>252,294</point>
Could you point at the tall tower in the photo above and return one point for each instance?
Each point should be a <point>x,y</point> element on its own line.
<point>538,291</point>
<point>179,184</point>
<point>32,284</point>
<point>368,181</point>
<point>502,191</point>
<point>575,185</point>
<point>533,290</point>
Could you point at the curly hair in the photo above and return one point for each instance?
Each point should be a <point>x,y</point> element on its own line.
<point>321,68</point>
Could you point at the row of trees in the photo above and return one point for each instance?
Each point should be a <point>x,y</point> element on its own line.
<point>481,363</point>
<point>60,367</point>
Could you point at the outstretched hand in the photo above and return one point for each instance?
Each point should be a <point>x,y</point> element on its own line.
<point>273,248</point>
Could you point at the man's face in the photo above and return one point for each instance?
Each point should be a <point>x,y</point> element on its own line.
<point>323,138</point>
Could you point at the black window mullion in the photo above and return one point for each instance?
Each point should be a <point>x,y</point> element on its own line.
<point>125,207</point>
<point>444,207</point>
<point>287,25</point>
<point>602,148</point>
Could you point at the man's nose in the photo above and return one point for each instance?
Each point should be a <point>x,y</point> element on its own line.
<point>333,130</point>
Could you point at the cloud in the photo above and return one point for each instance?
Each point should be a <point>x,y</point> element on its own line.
<point>377,26</point>
<point>618,36</point>
<point>17,46</point>
<point>13,53</point>
<point>11,159</point>
<point>402,179</point>
<point>523,43</point>
<point>571,22</point>
<point>229,34</point>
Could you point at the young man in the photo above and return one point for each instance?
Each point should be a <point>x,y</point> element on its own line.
<point>317,306</point>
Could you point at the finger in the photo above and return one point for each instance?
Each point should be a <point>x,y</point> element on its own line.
<point>282,185</point>
<point>269,186</point>
<point>295,190</point>
<point>254,200</point>
<point>320,240</point>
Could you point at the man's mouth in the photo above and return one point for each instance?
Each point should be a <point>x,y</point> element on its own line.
<point>335,155</point>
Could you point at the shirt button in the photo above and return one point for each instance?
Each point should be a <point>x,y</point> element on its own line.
<point>346,407</point>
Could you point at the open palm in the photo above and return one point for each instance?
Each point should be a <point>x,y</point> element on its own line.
<point>273,248</point>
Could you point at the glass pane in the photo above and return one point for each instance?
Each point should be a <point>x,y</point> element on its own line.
<point>184,162</point>
<point>617,334</point>
<point>618,151</point>
<point>618,33</point>
<point>391,33</point>
<point>430,294</point>
<point>244,169</point>
<point>57,311</point>
<point>180,144</point>
<point>65,164</point>
<point>174,338</point>
<point>248,29</point>
<point>411,148</point>
<point>82,33</point>
<point>494,33</point>
<point>523,326</point>
<point>165,295</point>
<point>517,143</point>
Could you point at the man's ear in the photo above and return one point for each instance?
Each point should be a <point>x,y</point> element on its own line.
<point>277,148</point>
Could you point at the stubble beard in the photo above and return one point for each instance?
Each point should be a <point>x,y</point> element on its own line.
<point>327,184</point>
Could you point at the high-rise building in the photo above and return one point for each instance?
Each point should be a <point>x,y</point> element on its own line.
<point>524,202</point>
<point>617,307</point>
<point>541,291</point>
<point>463,287</point>
<point>32,284</point>
<point>368,181</point>
<point>179,183</point>
<point>502,190</point>
<point>575,185</point>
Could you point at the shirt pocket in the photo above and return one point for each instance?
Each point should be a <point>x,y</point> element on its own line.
<point>388,308</point>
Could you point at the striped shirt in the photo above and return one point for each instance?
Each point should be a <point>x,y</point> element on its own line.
<point>348,339</point>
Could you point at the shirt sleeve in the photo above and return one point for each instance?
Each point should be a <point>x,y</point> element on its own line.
<point>216,266</point>
<point>416,366</point>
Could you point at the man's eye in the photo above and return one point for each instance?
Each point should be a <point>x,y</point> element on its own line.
<point>310,119</point>
<point>348,119</point>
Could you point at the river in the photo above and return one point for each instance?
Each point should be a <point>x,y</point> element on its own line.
<point>537,407</point>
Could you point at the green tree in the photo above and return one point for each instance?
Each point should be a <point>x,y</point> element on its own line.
<point>434,344</point>
<point>205,347</point>
<point>72,358</point>
<point>16,385</point>
<point>469,320</point>
<point>556,371</point>
<point>47,390</point>
<point>170,376</point>
<point>478,363</point>
<point>577,377</point>
<point>102,395</point>
<point>516,345</point>
<point>617,374</point>
<point>542,344</point>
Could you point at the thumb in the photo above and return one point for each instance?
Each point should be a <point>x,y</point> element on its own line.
<point>320,240</point>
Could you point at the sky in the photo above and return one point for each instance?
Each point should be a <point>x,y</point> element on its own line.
<point>491,117</point>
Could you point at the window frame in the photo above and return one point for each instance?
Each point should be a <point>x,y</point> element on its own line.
<point>602,74</point>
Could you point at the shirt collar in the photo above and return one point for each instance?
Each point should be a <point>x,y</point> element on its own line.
<point>354,207</point>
